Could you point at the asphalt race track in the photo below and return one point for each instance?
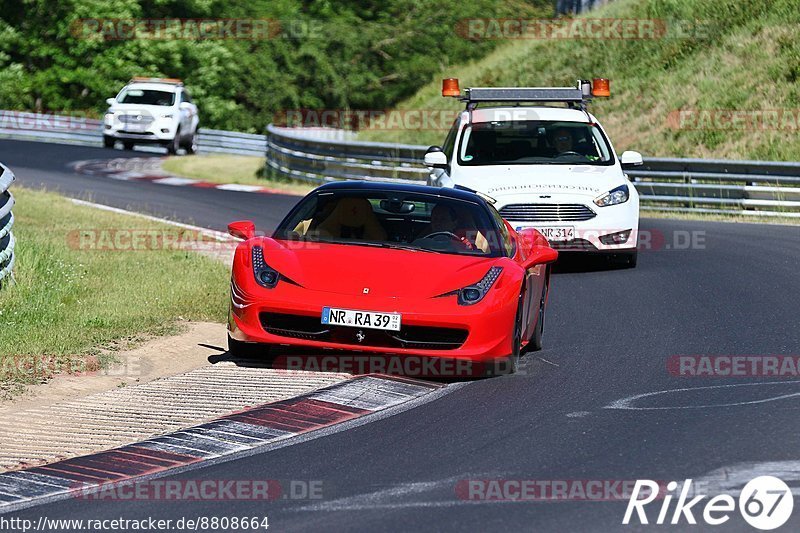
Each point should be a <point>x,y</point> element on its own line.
<point>609,335</point>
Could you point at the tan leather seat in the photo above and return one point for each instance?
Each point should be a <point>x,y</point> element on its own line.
<point>352,214</point>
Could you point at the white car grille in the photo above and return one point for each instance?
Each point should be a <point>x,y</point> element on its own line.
<point>137,118</point>
<point>547,212</point>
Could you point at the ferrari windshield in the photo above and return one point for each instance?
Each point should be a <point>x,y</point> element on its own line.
<point>394,219</point>
<point>533,142</point>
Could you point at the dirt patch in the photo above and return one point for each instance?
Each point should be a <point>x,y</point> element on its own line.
<point>159,357</point>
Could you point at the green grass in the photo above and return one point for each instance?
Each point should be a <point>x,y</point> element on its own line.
<point>745,55</point>
<point>240,169</point>
<point>71,305</point>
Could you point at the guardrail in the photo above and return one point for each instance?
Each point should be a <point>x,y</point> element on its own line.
<point>758,188</point>
<point>89,132</point>
<point>7,242</point>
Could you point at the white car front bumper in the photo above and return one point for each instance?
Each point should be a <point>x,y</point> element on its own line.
<point>145,129</point>
<point>576,223</point>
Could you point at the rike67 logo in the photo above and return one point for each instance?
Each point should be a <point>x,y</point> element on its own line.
<point>766,503</point>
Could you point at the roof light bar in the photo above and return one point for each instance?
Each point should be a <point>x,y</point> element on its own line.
<point>143,79</point>
<point>584,91</point>
<point>524,94</point>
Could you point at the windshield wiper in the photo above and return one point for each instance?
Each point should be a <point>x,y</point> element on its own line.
<point>396,246</point>
<point>410,248</point>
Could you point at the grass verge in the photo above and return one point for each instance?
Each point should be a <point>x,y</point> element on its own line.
<point>70,307</point>
<point>241,169</point>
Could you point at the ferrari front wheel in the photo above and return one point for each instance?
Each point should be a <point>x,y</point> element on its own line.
<point>509,366</point>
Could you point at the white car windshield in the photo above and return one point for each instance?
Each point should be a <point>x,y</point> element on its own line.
<point>146,97</point>
<point>533,142</point>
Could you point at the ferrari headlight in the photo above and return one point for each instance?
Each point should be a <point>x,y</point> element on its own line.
<point>473,294</point>
<point>265,275</point>
<point>613,197</point>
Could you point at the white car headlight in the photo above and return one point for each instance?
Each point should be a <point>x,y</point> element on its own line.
<point>613,197</point>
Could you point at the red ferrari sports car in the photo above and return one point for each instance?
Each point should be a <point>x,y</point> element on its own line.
<point>390,268</point>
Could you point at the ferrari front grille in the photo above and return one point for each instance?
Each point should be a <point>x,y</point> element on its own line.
<point>547,212</point>
<point>311,328</point>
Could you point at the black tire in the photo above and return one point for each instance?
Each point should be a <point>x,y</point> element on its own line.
<point>508,365</point>
<point>191,144</point>
<point>175,143</point>
<point>249,350</point>
<point>128,145</point>
<point>535,344</point>
<point>108,141</point>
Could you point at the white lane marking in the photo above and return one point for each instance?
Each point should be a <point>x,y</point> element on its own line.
<point>577,414</point>
<point>174,180</point>
<point>219,235</point>
<point>626,403</point>
<point>381,499</point>
<point>731,479</point>
<point>237,187</point>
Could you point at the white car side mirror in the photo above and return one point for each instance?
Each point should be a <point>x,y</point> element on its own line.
<point>436,160</point>
<point>185,105</point>
<point>111,101</point>
<point>629,158</point>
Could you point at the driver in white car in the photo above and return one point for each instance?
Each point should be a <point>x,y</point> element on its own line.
<point>562,141</point>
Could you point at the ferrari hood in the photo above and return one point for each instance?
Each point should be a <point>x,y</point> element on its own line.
<point>384,272</point>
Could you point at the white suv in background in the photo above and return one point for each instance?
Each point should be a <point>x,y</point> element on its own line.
<point>548,167</point>
<point>152,111</point>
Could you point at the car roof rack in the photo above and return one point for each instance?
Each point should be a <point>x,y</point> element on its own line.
<point>168,81</point>
<point>575,97</point>
<point>524,94</point>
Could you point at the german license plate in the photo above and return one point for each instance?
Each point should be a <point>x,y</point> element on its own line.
<point>360,319</point>
<point>557,233</point>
